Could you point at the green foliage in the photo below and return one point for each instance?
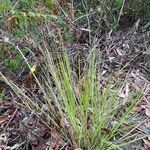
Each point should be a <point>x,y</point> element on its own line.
<point>5,6</point>
<point>15,63</point>
<point>69,36</point>
<point>29,18</point>
<point>19,32</point>
<point>49,4</point>
<point>11,59</point>
<point>26,4</point>
<point>2,94</point>
<point>146,11</point>
<point>34,11</point>
<point>20,21</point>
<point>117,3</point>
<point>114,13</point>
<point>89,110</point>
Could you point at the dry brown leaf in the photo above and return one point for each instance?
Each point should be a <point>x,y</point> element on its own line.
<point>3,119</point>
<point>11,23</point>
<point>137,109</point>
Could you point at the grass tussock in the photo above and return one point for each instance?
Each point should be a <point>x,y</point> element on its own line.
<point>69,96</point>
<point>87,115</point>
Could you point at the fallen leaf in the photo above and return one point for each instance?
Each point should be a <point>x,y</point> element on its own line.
<point>122,95</point>
<point>137,109</point>
<point>120,52</point>
<point>111,59</point>
<point>3,119</point>
<point>34,141</point>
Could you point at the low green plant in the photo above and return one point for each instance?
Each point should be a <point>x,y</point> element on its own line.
<point>2,94</point>
<point>110,14</point>
<point>89,110</point>
<point>69,36</point>
<point>92,117</point>
<point>10,58</point>
<point>5,6</point>
<point>26,4</point>
<point>14,64</point>
<point>20,21</point>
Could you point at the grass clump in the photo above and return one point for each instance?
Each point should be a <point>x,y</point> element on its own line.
<point>88,115</point>
<point>92,113</point>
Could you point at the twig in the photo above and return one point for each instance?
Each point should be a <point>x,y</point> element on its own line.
<point>120,13</point>
<point>11,118</point>
<point>135,128</point>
